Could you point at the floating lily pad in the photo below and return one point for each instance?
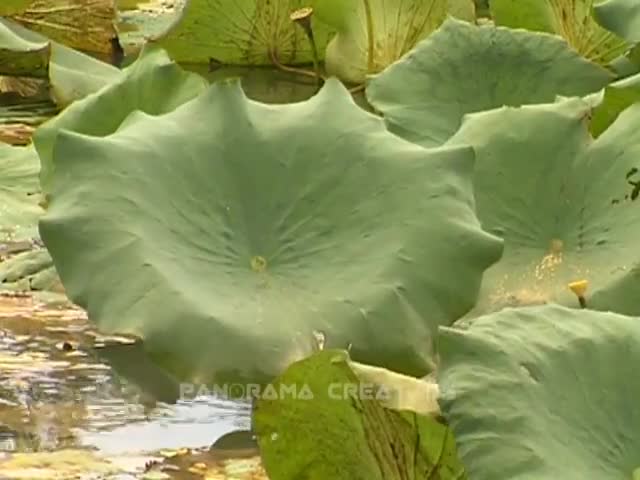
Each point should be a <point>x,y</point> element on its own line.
<point>544,393</point>
<point>293,219</point>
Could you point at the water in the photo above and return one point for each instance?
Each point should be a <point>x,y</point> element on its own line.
<point>56,394</point>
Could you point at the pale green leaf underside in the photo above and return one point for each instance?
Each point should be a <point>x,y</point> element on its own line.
<point>564,206</point>
<point>332,429</point>
<point>618,96</point>
<point>241,32</point>
<point>236,250</point>
<point>463,68</point>
<point>544,393</point>
<point>571,19</point>
<point>397,26</point>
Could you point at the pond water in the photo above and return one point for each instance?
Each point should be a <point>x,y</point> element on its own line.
<point>57,394</point>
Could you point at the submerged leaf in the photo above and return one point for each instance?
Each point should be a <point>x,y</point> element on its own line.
<point>354,226</point>
<point>325,422</point>
<point>565,204</point>
<point>463,68</point>
<point>544,393</point>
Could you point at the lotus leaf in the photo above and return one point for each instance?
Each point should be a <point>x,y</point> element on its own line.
<point>72,74</point>
<point>544,393</point>
<point>19,193</point>
<point>621,17</point>
<point>19,57</point>
<point>153,84</point>
<point>491,66</point>
<point>319,421</point>
<point>566,206</point>
<point>571,19</point>
<point>242,229</point>
<point>241,32</point>
<point>397,25</point>
<point>617,97</point>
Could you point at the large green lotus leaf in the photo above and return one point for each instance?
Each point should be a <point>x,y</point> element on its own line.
<point>621,17</point>
<point>72,74</point>
<point>544,393</point>
<point>397,26</point>
<point>153,84</point>
<point>491,66</point>
<point>242,229</point>
<point>241,32</point>
<point>571,19</point>
<point>618,96</point>
<point>19,193</point>
<point>564,203</point>
<point>319,420</point>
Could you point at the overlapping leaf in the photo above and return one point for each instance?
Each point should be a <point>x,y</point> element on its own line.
<point>319,420</point>
<point>153,84</point>
<point>544,393</point>
<point>462,69</point>
<point>566,205</point>
<point>243,228</point>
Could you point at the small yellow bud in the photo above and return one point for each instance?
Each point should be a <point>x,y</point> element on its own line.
<point>579,287</point>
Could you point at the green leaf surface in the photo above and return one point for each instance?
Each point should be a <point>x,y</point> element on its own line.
<point>241,32</point>
<point>463,68</point>
<point>398,25</point>
<point>564,203</point>
<point>153,84</point>
<point>621,17</point>
<point>244,228</point>
<point>618,96</point>
<point>72,74</point>
<point>544,393</point>
<point>19,193</point>
<point>571,19</point>
<point>332,425</point>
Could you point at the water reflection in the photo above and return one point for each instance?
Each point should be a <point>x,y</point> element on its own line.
<point>56,393</point>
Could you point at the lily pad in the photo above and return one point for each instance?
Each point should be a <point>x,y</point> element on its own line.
<point>621,17</point>
<point>241,32</point>
<point>397,26</point>
<point>544,393</point>
<point>72,74</point>
<point>153,84</point>
<point>617,97</point>
<point>331,425</point>
<point>243,229</point>
<point>463,68</point>
<point>571,19</point>
<point>565,204</point>
<point>19,193</point>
